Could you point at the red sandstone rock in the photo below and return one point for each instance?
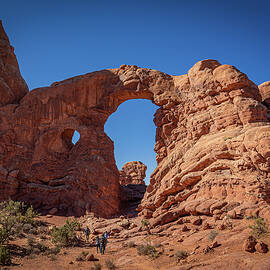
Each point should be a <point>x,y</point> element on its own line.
<point>212,141</point>
<point>249,244</point>
<point>261,247</point>
<point>265,90</point>
<point>133,173</point>
<point>90,257</point>
<point>12,85</point>
<point>185,228</point>
<point>206,225</point>
<point>215,155</point>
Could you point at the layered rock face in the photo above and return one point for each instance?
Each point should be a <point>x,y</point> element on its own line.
<point>213,147</point>
<point>38,162</point>
<point>132,186</point>
<point>12,85</point>
<point>132,173</point>
<point>265,92</point>
<point>212,140</point>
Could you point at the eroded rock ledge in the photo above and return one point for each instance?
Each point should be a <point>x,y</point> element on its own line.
<point>212,140</point>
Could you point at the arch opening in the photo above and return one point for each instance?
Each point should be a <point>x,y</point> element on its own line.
<point>133,132</point>
<point>70,137</point>
<point>76,137</point>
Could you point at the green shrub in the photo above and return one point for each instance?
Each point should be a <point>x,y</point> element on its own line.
<point>145,223</point>
<point>27,228</point>
<point>42,247</point>
<point>180,255</point>
<point>31,241</point>
<point>212,235</point>
<point>34,231</point>
<point>147,250</point>
<point>29,216</point>
<point>12,217</point>
<point>259,228</point>
<point>110,264</point>
<point>43,230</point>
<point>55,250</point>
<point>4,256</point>
<point>65,235</point>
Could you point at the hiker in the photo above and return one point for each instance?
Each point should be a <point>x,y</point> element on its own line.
<point>106,235</point>
<point>102,244</point>
<point>97,243</point>
<point>87,232</point>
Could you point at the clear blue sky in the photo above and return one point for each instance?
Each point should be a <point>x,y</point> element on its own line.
<point>58,39</point>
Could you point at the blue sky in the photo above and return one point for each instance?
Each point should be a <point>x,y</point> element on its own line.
<point>58,39</point>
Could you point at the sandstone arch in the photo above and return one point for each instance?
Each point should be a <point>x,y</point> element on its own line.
<point>212,141</point>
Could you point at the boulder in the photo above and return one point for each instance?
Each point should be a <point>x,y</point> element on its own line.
<point>91,258</point>
<point>261,247</point>
<point>132,173</point>
<point>249,244</point>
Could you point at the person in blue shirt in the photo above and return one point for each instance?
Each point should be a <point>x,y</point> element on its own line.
<point>87,232</point>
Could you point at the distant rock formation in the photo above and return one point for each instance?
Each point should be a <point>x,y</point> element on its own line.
<point>133,187</point>
<point>133,173</point>
<point>212,141</point>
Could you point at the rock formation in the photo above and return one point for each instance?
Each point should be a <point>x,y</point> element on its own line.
<point>212,140</point>
<point>213,147</point>
<point>12,85</point>
<point>132,173</point>
<point>132,186</point>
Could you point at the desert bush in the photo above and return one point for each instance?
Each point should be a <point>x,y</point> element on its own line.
<point>42,247</point>
<point>259,228</point>
<point>147,250</point>
<point>5,258</point>
<point>43,230</point>
<point>110,264</point>
<point>35,251</point>
<point>27,227</point>
<point>30,241</point>
<point>12,217</point>
<point>17,229</point>
<point>55,250</point>
<point>29,216</point>
<point>180,255</point>
<point>212,235</point>
<point>76,225</point>
<point>97,266</point>
<point>251,216</point>
<point>145,223</point>
<point>43,236</point>
<point>65,235</point>
<point>34,231</point>
<point>4,235</point>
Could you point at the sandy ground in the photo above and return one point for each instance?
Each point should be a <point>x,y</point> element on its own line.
<point>168,240</point>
